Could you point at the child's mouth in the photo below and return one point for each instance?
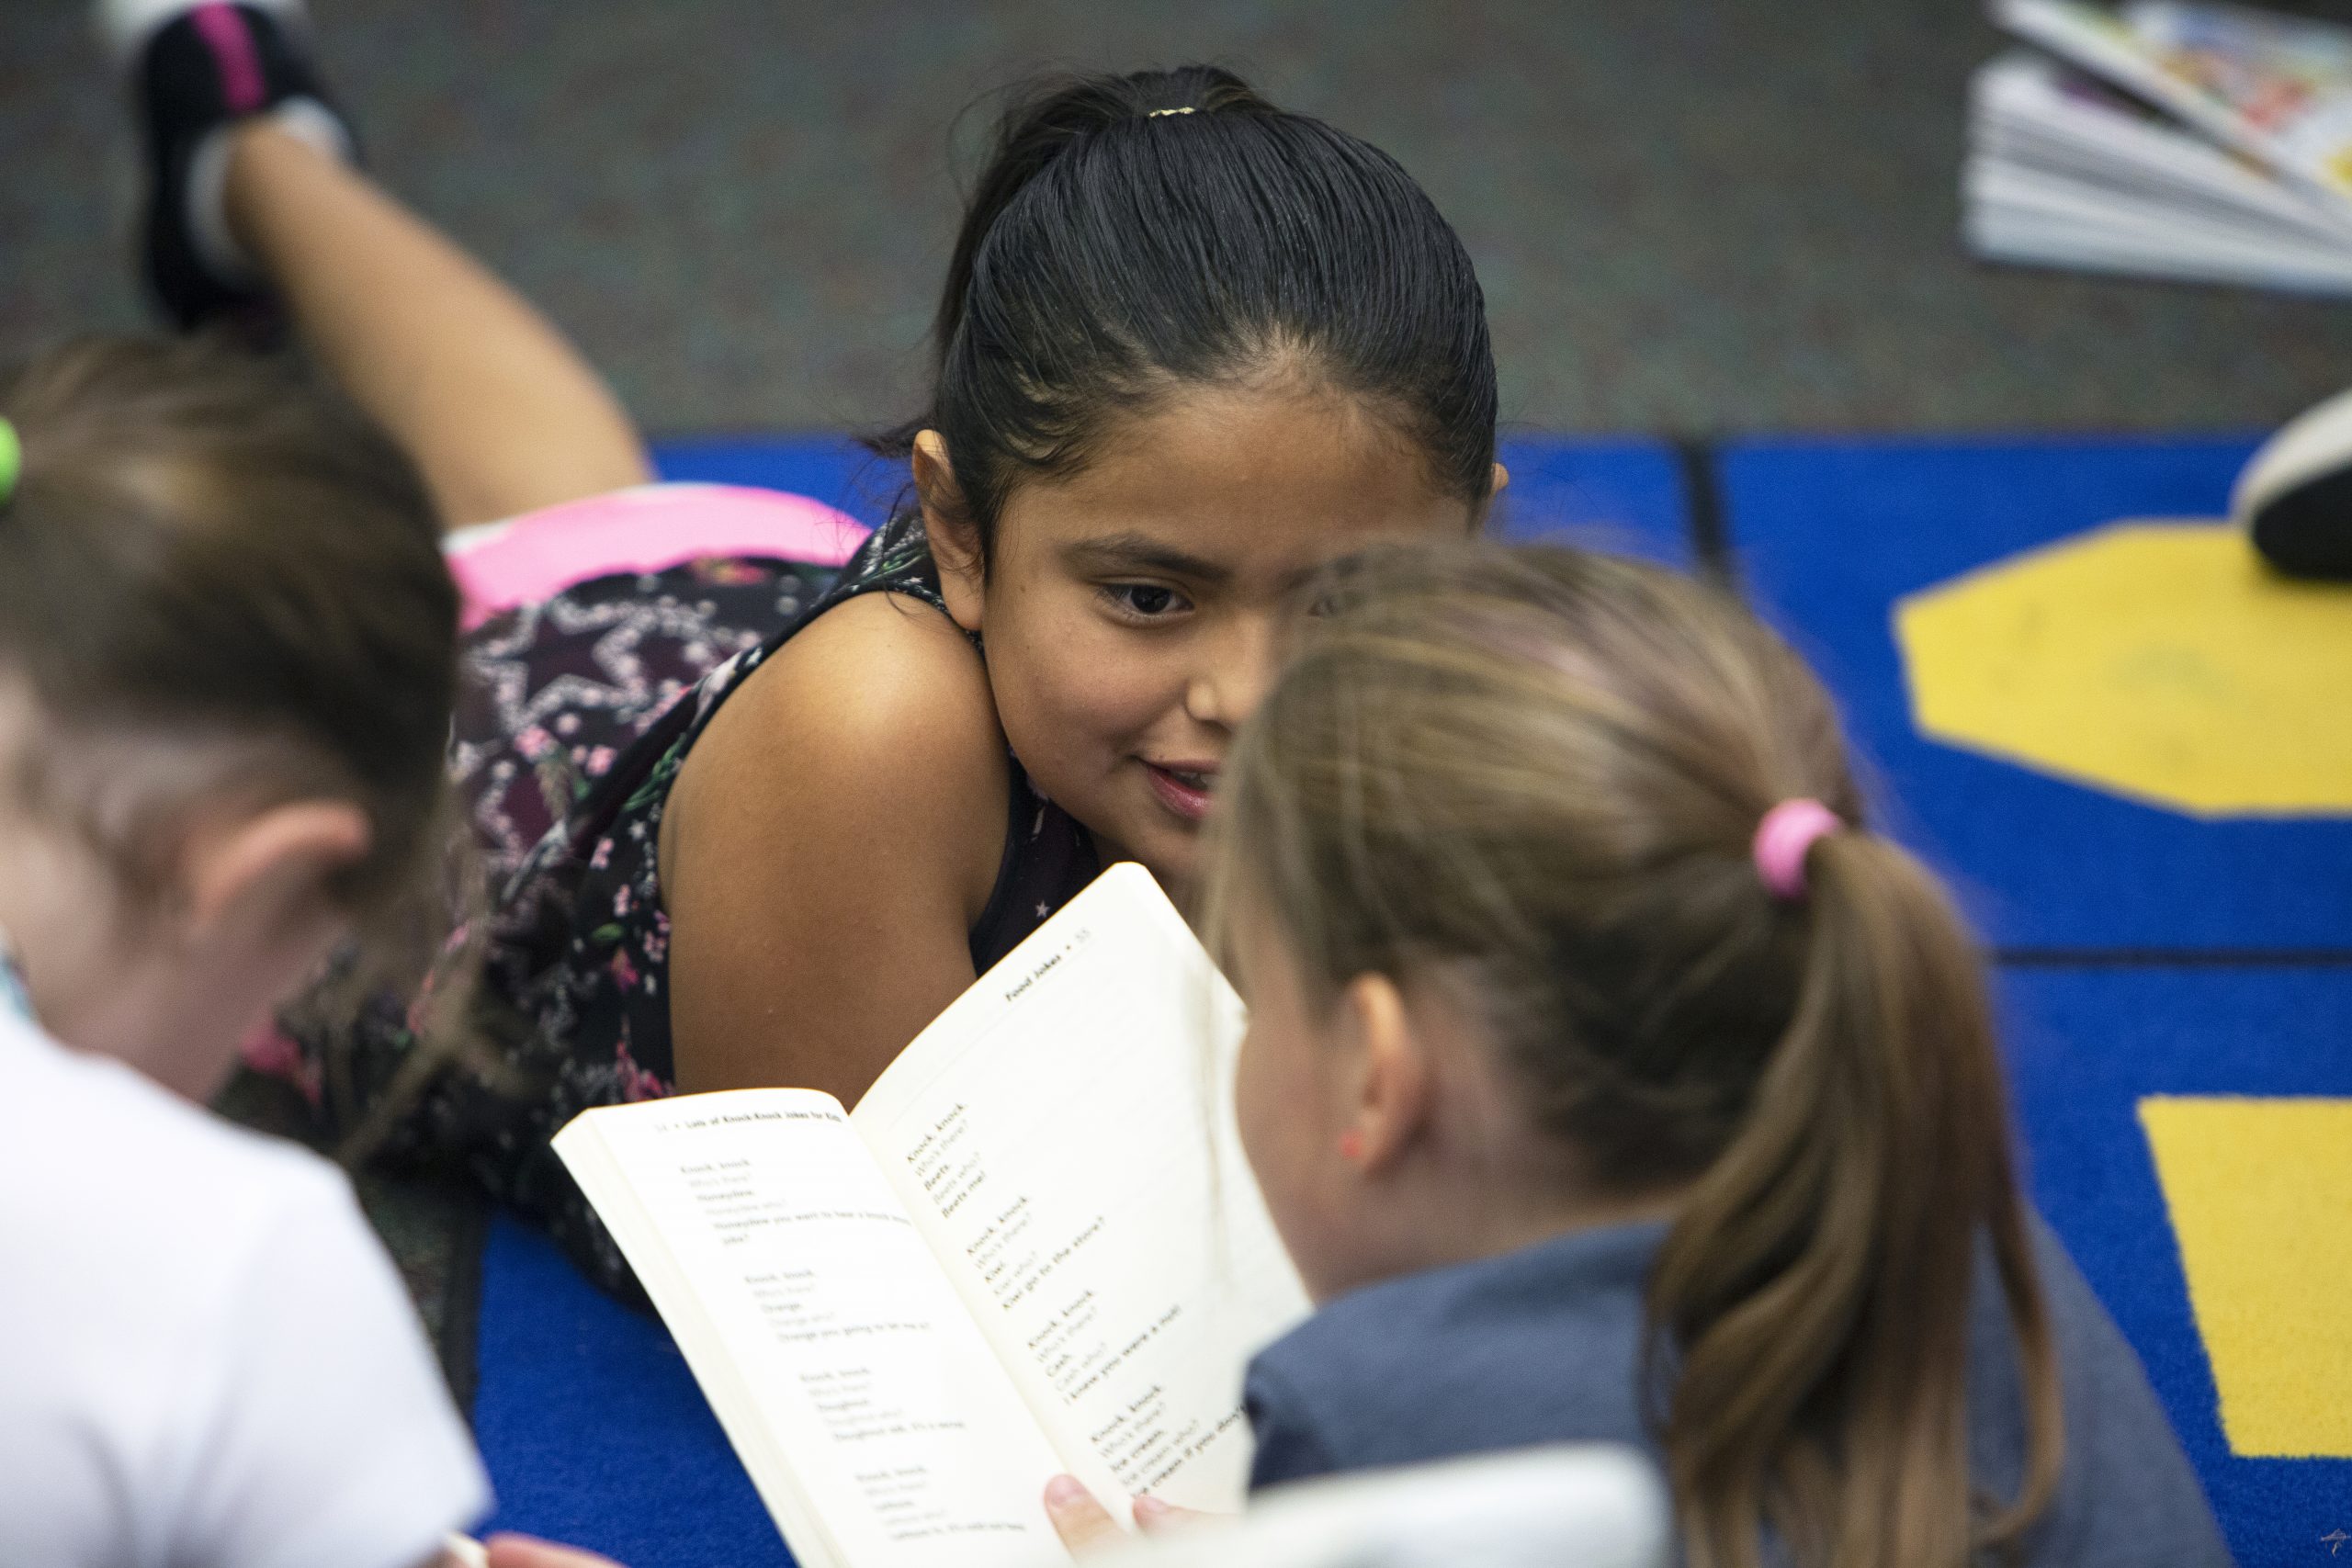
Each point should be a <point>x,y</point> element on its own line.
<point>1183,789</point>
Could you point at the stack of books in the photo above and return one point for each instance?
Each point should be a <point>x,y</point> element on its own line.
<point>2195,141</point>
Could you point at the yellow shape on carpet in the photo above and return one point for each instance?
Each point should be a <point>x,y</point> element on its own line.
<point>2260,1192</point>
<point>2158,660</point>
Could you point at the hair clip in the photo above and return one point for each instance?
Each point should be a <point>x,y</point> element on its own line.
<point>12,461</point>
<point>1157,113</point>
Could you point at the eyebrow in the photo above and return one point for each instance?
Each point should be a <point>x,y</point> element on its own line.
<point>1138,552</point>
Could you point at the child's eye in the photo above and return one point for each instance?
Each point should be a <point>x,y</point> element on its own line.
<point>1145,601</point>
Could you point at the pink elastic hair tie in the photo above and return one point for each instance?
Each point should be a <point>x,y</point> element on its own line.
<point>1788,830</point>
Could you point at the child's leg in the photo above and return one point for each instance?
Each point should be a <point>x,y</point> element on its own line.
<point>498,410</point>
<point>253,208</point>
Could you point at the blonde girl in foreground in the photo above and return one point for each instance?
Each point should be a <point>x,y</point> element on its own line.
<point>1608,1080</point>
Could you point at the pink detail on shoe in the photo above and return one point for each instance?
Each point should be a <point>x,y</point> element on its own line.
<point>540,554</point>
<point>231,43</point>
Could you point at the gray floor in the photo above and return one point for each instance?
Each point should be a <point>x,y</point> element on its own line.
<point>1689,216</point>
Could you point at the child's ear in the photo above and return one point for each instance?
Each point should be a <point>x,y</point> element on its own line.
<point>1482,515</point>
<point>257,873</point>
<point>955,546</point>
<point>1393,1090</point>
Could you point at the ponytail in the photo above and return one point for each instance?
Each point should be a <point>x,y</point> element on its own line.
<point>1043,119</point>
<point>1811,1298</point>
<point>1545,770</point>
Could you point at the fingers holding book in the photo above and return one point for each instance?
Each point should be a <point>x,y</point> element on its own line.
<point>1086,1525</point>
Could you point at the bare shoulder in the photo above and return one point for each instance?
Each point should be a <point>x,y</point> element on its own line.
<point>827,844</point>
<point>874,718</point>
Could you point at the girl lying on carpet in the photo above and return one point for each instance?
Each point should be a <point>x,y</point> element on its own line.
<point>1609,1080</point>
<point>1189,346</point>
<point>227,654</point>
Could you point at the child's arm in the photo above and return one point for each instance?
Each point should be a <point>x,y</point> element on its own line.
<point>500,413</point>
<point>830,841</point>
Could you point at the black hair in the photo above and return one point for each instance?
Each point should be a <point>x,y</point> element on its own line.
<point>1135,233</point>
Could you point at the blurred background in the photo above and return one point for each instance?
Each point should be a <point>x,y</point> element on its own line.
<point>1691,216</point>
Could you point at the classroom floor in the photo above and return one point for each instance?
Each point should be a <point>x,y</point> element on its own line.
<point>1690,215</point>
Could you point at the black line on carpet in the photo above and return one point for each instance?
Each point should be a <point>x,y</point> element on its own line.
<point>2173,958</point>
<point>1702,498</point>
<point>461,1301</point>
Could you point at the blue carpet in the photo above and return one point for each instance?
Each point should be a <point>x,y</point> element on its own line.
<point>830,468</point>
<point>1625,496</point>
<point>1828,533</point>
<point>2085,1045</point>
<point>1621,495</point>
<point>593,1429</point>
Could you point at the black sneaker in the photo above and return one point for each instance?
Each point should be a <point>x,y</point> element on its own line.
<point>193,69</point>
<point>2295,496</point>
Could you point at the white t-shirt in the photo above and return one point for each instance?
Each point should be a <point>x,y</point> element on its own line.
<point>205,1358</point>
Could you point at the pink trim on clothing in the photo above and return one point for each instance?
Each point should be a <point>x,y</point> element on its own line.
<point>542,553</point>
<point>232,43</point>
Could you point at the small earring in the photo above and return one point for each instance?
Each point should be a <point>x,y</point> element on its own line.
<point>1351,1144</point>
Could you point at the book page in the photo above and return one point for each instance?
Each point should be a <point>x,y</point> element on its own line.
<point>877,1423</point>
<point>2276,89</point>
<point>2288,80</point>
<point>1062,1135</point>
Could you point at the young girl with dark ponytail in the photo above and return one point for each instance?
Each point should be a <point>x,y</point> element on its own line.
<point>1608,1079</point>
<point>1189,346</point>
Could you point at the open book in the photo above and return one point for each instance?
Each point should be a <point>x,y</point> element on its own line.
<point>1033,1247</point>
<point>2201,142</point>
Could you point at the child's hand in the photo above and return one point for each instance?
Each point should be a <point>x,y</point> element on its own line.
<point>1086,1525</point>
<point>525,1552</point>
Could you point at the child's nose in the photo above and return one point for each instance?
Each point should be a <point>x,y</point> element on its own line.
<point>1234,673</point>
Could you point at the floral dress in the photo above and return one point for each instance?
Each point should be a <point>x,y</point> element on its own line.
<point>578,715</point>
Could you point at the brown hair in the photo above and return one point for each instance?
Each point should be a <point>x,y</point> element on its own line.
<point>1539,770</point>
<point>206,546</point>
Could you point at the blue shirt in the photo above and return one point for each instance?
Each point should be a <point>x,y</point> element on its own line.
<point>1544,1345</point>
